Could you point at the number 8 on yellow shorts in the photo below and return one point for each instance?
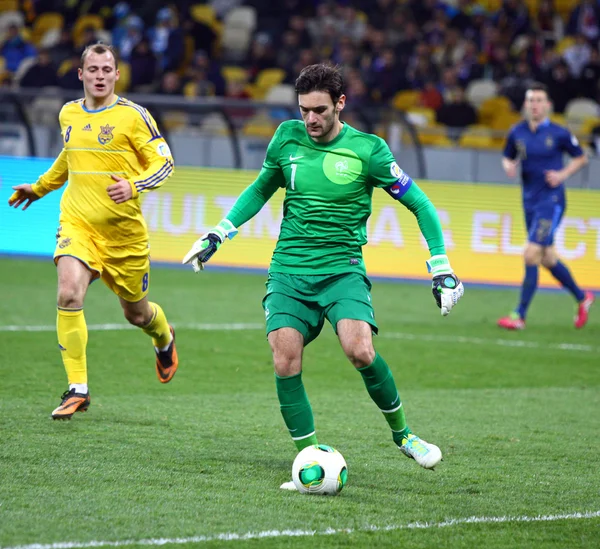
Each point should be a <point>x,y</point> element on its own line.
<point>124,269</point>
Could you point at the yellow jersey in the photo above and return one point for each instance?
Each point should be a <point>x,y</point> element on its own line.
<point>120,139</point>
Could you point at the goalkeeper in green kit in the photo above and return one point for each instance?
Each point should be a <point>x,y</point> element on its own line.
<point>329,171</point>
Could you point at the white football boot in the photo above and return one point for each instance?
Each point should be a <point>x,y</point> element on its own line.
<point>425,454</point>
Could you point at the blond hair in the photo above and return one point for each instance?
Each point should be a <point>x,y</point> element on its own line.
<point>99,48</point>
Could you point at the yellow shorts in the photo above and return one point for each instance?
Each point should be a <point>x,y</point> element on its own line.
<point>124,269</point>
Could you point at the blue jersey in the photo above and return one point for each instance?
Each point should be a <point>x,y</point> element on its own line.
<point>539,151</point>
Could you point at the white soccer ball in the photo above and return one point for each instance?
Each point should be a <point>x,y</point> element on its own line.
<point>320,469</point>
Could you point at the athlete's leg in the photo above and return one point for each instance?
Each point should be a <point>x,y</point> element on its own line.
<point>74,277</point>
<point>563,275</point>
<point>561,272</point>
<point>357,342</point>
<point>287,345</point>
<point>533,257</point>
<point>152,320</point>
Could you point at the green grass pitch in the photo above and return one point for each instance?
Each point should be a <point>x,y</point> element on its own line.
<point>199,461</point>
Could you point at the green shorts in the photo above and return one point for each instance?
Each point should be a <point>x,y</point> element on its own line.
<point>303,302</point>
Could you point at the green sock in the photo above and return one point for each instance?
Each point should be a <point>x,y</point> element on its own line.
<point>296,411</point>
<point>381,386</point>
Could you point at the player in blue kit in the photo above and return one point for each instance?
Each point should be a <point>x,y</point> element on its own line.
<point>538,146</point>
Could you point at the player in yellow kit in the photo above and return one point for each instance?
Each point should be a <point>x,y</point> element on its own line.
<point>112,153</point>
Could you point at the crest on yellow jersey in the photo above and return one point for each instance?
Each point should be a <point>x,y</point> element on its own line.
<point>105,136</point>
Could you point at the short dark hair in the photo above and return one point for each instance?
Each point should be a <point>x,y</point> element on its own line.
<point>99,48</point>
<point>321,77</point>
<point>538,86</point>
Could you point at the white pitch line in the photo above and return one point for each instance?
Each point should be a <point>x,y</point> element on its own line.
<point>233,536</point>
<point>498,342</point>
<point>387,335</point>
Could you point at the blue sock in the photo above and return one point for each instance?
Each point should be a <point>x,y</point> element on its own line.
<point>528,288</point>
<point>561,272</point>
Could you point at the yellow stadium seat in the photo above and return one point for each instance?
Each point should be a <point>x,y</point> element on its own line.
<point>9,5</point>
<point>265,80</point>
<point>188,54</point>
<point>492,108</point>
<point>64,67</point>
<point>477,137</point>
<point>563,44</point>
<point>124,81</point>
<point>45,22</point>
<point>203,13</point>
<point>558,118</point>
<point>505,121</point>
<point>406,99</point>
<point>82,23</point>
<point>2,64</point>
<point>259,126</point>
<point>588,125</point>
<point>174,120</point>
<point>232,73</point>
<point>421,116</point>
<point>435,135</point>
<point>564,8</point>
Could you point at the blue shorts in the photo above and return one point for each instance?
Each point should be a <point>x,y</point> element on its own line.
<point>542,221</point>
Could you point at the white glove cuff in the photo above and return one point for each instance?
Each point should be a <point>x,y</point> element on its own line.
<point>225,229</point>
<point>439,264</point>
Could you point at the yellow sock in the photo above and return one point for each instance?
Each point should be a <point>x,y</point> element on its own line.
<point>72,341</point>
<point>158,327</point>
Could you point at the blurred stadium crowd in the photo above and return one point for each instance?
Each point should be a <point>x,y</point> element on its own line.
<point>451,63</point>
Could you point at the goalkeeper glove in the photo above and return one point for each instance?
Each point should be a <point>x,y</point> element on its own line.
<point>446,287</point>
<point>206,246</point>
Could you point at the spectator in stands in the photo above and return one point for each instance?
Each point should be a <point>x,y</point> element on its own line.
<point>40,74</point>
<point>202,34</point>
<point>500,67</point>
<point>408,44</point>
<point>120,14</point>
<point>435,30</point>
<point>306,57</point>
<point>287,53</point>
<point>585,19</point>
<point>261,56</point>
<point>379,12</point>
<point>515,85</point>
<point>422,10</point>
<point>468,68</point>
<point>561,86</point>
<point>430,97</point>
<point>322,26</point>
<point>549,23</point>
<point>68,77</point>
<point>590,76</point>
<point>143,67</point>
<point>477,29</point>
<point>395,28</point>
<point>386,78</point>
<point>449,84</point>
<point>348,23</point>
<point>204,77</point>
<point>15,49</point>
<point>166,40</point>
<point>134,27</point>
<point>578,55</point>
<point>452,49</point>
<point>298,25</point>
<point>170,84</point>
<point>457,113</point>
<point>512,18</point>
<point>88,37</point>
<point>64,48</point>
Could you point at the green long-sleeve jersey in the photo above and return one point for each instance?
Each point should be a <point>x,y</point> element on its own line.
<point>329,187</point>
